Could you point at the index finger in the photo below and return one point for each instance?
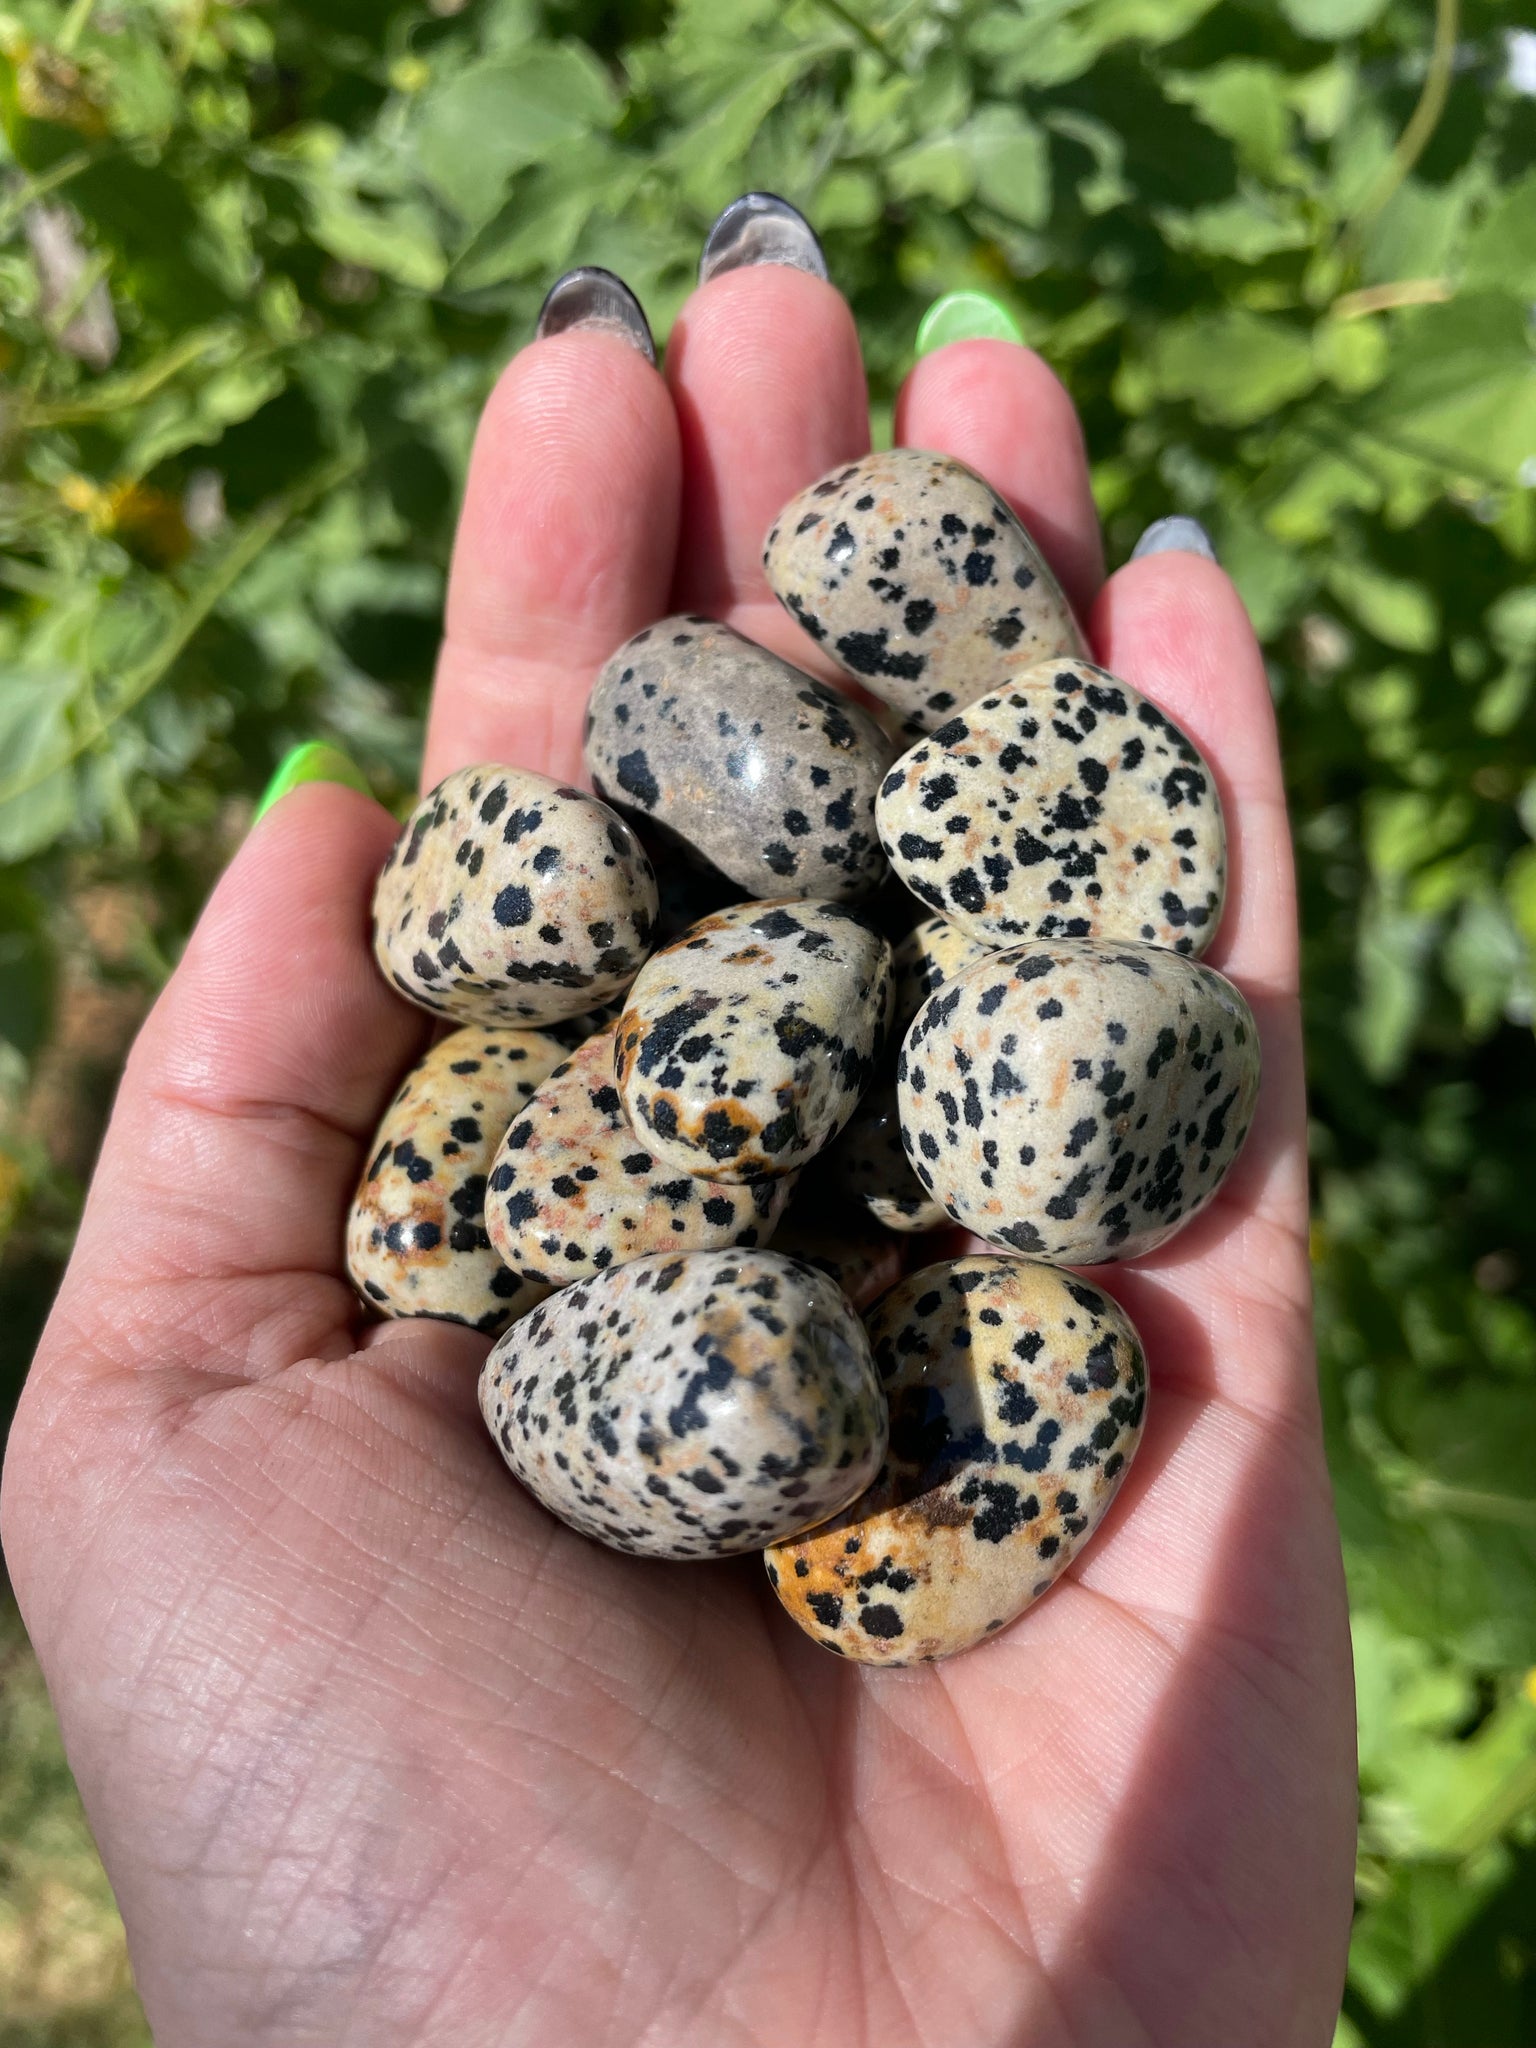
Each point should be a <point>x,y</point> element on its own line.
<point>565,547</point>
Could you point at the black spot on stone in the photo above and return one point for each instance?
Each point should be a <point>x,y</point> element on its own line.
<point>633,773</point>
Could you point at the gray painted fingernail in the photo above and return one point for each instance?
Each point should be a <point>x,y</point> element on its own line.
<point>1177,535</point>
<point>760,228</point>
<point>597,300</point>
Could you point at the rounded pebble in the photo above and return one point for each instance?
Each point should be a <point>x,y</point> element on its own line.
<point>1066,806</point>
<point>1017,1396</point>
<point>762,770</point>
<point>689,1407</point>
<point>509,898</point>
<point>908,569</point>
<point>932,953</point>
<point>868,1165</point>
<point>745,1046</point>
<point>1079,1100</point>
<point>573,1191</point>
<point>416,1238</point>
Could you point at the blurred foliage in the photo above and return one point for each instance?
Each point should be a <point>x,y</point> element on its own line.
<point>258,266</point>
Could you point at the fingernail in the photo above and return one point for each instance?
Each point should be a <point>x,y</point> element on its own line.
<point>759,227</point>
<point>966,316</point>
<point>596,299</point>
<point>1176,535</point>
<point>311,761</point>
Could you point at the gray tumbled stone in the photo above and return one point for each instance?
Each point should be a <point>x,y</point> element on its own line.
<point>756,767</point>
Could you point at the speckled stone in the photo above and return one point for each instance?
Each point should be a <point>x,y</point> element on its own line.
<point>509,899</point>
<point>847,1245</point>
<point>933,952</point>
<point>416,1238</point>
<point>908,570</point>
<point>1064,807</point>
<point>1079,1099</point>
<point>868,1165</point>
<point>745,1046</point>
<point>573,1191</point>
<point>689,1407</point>
<point>1017,1396</point>
<point>765,772</point>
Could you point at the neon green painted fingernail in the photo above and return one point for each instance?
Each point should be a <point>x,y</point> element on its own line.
<point>966,316</point>
<point>312,761</point>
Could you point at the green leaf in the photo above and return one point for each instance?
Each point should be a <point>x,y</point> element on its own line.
<point>943,170</point>
<point>1235,366</point>
<point>1012,164</point>
<point>536,232</point>
<point>1244,101</point>
<point>34,729</point>
<point>500,116</point>
<point>1330,21</point>
<point>1401,613</point>
<point>1391,967</point>
<point>1500,254</point>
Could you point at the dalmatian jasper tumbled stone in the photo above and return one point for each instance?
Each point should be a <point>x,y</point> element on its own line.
<point>933,952</point>
<point>868,1166</point>
<point>1080,1099</point>
<point>416,1237</point>
<point>689,1407</point>
<point>1066,806</point>
<point>573,1191</point>
<point>745,1045</point>
<point>1017,1396</point>
<point>760,769</point>
<point>509,898</point>
<point>908,570</point>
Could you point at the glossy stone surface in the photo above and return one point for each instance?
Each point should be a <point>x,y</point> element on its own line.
<point>416,1240</point>
<point>867,1165</point>
<point>689,1407</point>
<point>760,769</point>
<point>745,1046</point>
<point>1065,806</point>
<point>572,1190</point>
<point>933,952</point>
<point>509,898</point>
<point>907,569</point>
<point>1078,1100</point>
<point>1017,1397</point>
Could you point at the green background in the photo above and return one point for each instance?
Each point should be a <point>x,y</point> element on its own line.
<point>258,265</point>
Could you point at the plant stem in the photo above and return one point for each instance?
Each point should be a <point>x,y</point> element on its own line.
<point>75,24</point>
<point>226,573</point>
<point>861,29</point>
<point>1422,123</point>
<point>1384,298</point>
<point>29,190</point>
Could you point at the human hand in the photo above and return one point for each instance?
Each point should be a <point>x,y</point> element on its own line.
<point>375,1751</point>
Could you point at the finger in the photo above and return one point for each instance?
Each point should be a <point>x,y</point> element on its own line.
<point>212,1239</point>
<point>565,547</point>
<point>768,384</point>
<point>1225,1305</point>
<point>1002,410</point>
<point>1173,626</point>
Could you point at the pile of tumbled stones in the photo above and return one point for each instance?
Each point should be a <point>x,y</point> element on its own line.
<point>694,1104</point>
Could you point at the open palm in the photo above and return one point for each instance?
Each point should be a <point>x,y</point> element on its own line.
<point>378,1753</point>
